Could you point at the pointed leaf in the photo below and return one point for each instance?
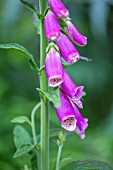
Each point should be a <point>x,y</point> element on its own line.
<point>36,22</point>
<point>42,94</point>
<point>29,6</point>
<point>88,165</point>
<point>22,50</point>
<point>52,95</point>
<point>63,23</point>
<point>55,132</point>
<point>21,136</point>
<point>24,149</point>
<point>21,119</point>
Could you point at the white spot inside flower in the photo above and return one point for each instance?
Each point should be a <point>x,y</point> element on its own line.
<point>55,81</point>
<point>69,123</point>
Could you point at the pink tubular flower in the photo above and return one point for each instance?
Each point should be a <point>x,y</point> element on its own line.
<point>67,49</point>
<point>82,123</point>
<point>75,35</point>
<point>71,90</point>
<point>53,66</point>
<point>58,8</point>
<point>51,26</point>
<point>66,113</point>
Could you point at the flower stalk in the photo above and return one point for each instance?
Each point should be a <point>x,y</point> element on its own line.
<point>44,86</point>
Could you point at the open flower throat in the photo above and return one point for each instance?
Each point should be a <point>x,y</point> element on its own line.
<point>61,44</point>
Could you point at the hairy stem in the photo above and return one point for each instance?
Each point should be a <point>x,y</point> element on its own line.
<point>58,156</point>
<point>44,87</point>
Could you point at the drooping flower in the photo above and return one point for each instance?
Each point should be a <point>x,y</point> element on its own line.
<point>82,123</point>
<point>67,49</point>
<point>71,90</point>
<point>75,35</point>
<point>66,113</point>
<point>58,8</point>
<point>53,66</point>
<point>51,26</point>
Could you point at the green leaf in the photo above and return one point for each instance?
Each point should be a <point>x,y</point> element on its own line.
<point>54,132</point>
<point>21,119</point>
<point>41,16</point>
<point>52,95</point>
<point>42,94</point>
<point>29,6</point>
<point>21,136</point>
<point>24,149</point>
<point>65,64</point>
<point>88,165</point>
<point>22,50</point>
<point>62,22</point>
<point>36,22</point>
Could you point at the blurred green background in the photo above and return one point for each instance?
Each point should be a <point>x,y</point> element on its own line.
<point>18,95</point>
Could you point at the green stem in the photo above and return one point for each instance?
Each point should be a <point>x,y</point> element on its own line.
<point>44,86</point>
<point>33,122</point>
<point>58,156</point>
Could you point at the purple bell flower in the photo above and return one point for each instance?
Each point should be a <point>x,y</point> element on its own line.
<point>67,49</point>
<point>53,66</point>
<point>58,8</point>
<point>51,26</point>
<point>82,123</point>
<point>66,113</point>
<point>75,35</point>
<point>71,90</point>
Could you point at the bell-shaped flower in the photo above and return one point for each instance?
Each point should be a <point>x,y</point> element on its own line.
<point>51,26</point>
<point>66,114</point>
<point>53,66</point>
<point>75,35</point>
<point>71,90</point>
<point>58,8</point>
<point>82,123</point>
<point>67,49</point>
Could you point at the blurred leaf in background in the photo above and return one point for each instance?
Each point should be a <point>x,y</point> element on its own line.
<point>18,95</point>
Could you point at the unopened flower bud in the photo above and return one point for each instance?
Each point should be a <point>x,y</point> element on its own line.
<point>75,35</point>
<point>51,26</point>
<point>58,8</point>
<point>67,49</point>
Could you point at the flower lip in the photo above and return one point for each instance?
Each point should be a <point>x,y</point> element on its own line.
<point>77,96</point>
<point>69,123</point>
<point>77,102</point>
<point>78,92</point>
<point>55,81</point>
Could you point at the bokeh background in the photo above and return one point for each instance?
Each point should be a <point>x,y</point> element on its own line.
<point>18,95</point>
